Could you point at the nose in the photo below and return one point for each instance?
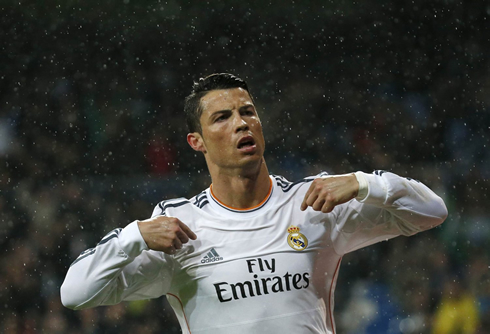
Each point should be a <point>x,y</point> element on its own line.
<point>241,124</point>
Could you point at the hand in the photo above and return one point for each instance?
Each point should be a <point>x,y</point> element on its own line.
<point>166,234</point>
<point>325,193</point>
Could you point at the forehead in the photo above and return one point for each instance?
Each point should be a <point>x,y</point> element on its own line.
<point>225,99</point>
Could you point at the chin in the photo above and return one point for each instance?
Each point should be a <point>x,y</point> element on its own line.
<point>252,160</point>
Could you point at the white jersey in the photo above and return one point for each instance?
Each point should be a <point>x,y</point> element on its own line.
<point>269,269</point>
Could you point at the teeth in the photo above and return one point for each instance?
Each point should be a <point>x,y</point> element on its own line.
<point>247,143</point>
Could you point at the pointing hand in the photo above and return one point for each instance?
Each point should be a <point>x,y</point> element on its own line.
<point>325,193</point>
<point>166,234</point>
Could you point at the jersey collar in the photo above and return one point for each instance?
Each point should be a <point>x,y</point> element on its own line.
<point>223,208</point>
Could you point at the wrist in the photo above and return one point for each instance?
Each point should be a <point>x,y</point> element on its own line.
<point>363,186</point>
<point>131,240</point>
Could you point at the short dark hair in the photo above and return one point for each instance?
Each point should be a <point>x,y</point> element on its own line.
<point>192,106</point>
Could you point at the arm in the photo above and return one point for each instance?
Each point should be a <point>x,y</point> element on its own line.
<point>385,205</point>
<point>120,267</point>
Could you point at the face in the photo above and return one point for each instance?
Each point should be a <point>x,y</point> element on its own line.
<point>231,130</point>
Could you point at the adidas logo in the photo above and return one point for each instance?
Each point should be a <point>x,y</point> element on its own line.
<point>211,256</point>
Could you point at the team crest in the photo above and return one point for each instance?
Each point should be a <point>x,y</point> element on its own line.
<point>296,240</point>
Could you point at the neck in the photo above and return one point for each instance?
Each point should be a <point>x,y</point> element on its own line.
<point>241,190</point>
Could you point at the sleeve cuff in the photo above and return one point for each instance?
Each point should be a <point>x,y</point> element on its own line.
<point>131,240</point>
<point>363,186</point>
<point>377,191</point>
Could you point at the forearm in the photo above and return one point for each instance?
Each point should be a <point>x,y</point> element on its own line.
<point>391,206</point>
<point>95,277</point>
<point>414,204</point>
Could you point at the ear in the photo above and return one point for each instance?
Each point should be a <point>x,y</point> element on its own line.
<point>196,142</point>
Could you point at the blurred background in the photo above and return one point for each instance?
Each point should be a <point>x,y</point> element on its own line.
<point>92,136</point>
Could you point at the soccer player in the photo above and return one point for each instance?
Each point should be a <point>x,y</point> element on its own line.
<point>253,253</point>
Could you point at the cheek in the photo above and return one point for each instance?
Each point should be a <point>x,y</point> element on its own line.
<point>257,124</point>
<point>217,134</point>
<point>257,127</point>
<point>216,138</point>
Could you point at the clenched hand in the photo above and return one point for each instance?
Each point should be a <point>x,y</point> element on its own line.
<point>325,193</point>
<point>166,234</point>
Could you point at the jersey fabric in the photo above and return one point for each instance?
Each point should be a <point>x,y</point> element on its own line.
<point>268,269</point>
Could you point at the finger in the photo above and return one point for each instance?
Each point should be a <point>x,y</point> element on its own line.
<point>311,199</point>
<point>327,207</point>
<point>304,205</point>
<point>177,244</point>
<point>187,231</point>
<point>182,236</point>
<point>318,204</point>
<point>308,201</point>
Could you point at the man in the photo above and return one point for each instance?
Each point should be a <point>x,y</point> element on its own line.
<point>253,253</point>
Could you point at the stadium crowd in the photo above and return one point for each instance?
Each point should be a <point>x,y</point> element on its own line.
<point>92,136</point>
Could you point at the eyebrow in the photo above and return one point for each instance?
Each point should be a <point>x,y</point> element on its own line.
<point>246,107</point>
<point>217,112</point>
<point>225,111</point>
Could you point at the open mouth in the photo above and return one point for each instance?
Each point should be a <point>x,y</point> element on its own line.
<point>246,142</point>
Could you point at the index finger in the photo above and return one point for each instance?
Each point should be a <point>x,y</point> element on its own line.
<point>304,205</point>
<point>187,230</point>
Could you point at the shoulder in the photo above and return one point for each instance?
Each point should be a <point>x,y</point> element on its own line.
<point>287,186</point>
<point>198,201</point>
<point>161,208</point>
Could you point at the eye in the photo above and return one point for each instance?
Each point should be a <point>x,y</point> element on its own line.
<point>220,118</point>
<point>248,112</point>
